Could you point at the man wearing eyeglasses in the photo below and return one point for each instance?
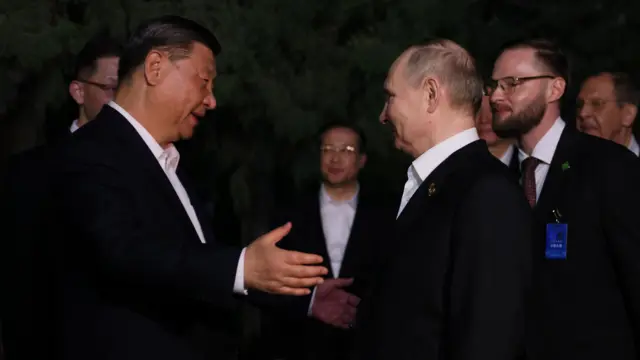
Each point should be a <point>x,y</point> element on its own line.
<point>585,303</point>
<point>27,189</point>
<point>96,78</point>
<point>345,224</point>
<point>607,106</point>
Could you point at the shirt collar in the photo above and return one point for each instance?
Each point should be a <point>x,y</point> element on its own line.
<point>424,165</point>
<point>506,157</point>
<point>546,147</point>
<point>74,126</point>
<point>633,146</point>
<point>168,158</point>
<point>326,199</point>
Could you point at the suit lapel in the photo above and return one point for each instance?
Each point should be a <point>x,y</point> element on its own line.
<point>417,201</point>
<point>436,181</point>
<point>198,206</point>
<point>357,238</point>
<point>142,161</point>
<point>317,237</point>
<point>514,163</point>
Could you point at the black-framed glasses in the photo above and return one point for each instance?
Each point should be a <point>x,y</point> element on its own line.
<point>101,86</point>
<point>508,84</point>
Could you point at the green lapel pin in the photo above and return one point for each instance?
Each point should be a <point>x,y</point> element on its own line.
<point>565,166</point>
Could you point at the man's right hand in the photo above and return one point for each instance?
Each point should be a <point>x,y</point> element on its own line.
<point>277,271</point>
<point>333,305</point>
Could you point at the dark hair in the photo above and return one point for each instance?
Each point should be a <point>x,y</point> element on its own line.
<point>170,33</point>
<point>362,140</point>
<point>624,87</point>
<point>547,52</point>
<point>100,46</point>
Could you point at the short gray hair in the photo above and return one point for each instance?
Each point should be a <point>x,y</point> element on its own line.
<point>453,66</point>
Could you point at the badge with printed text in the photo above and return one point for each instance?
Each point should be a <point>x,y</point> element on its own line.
<point>556,248</point>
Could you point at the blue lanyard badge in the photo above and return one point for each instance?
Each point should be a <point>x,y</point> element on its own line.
<point>556,241</point>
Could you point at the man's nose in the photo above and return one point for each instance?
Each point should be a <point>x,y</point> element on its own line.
<point>584,111</point>
<point>383,115</point>
<point>210,102</point>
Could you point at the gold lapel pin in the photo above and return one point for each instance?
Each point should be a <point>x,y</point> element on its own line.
<point>432,189</point>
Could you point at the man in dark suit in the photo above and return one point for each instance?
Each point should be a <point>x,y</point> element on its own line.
<point>583,190</point>
<point>348,225</point>
<point>455,284</point>
<point>138,272</point>
<point>26,190</point>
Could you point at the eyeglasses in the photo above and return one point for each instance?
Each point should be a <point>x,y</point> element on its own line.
<point>342,150</point>
<point>103,87</point>
<point>508,84</point>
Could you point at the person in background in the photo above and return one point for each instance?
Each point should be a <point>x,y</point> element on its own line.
<point>583,192</point>
<point>607,106</point>
<point>26,191</point>
<point>96,78</point>
<point>347,223</point>
<point>503,149</point>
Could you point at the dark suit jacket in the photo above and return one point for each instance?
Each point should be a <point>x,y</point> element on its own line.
<point>288,332</point>
<point>456,285</point>
<point>588,306</point>
<point>133,279</point>
<point>24,272</point>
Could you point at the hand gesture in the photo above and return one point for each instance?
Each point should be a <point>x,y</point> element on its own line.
<point>277,271</point>
<point>333,305</point>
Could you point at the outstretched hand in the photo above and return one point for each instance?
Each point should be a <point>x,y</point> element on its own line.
<point>271,269</point>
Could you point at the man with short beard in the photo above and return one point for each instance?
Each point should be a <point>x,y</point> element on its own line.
<point>586,299</point>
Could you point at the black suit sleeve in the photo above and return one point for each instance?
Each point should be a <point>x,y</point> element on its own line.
<point>127,248</point>
<point>621,198</point>
<point>490,272</point>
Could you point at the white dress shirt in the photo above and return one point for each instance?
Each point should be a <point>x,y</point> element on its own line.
<point>424,165</point>
<point>633,146</point>
<point>506,157</point>
<point>168,160</point>
<point>544,151</point>
<point>337,220</point>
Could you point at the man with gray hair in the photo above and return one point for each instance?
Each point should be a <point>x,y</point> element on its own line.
<point>463,227</point>
<point>607,106</point>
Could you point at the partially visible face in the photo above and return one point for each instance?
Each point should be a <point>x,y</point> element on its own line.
<point>340,159</point>
<point>598,112</point>
<point>98,89</point>
<point>517,109</point>
<point>403,106</point>
<point>484,121</point>
<point>188,91</point>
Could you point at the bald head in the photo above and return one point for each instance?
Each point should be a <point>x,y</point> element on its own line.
<point>452,65</point>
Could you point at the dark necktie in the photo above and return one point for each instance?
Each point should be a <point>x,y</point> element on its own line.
<point>529,178</point>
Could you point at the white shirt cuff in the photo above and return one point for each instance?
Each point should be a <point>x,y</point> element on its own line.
<point>313,296</point>
<point>238,285</point>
